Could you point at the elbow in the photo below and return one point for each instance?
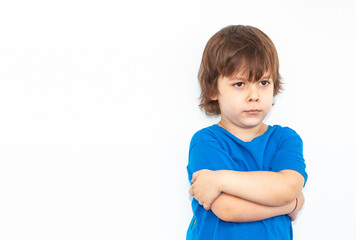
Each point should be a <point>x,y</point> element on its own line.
<point>288,194</point>
<point>230,215</point>
<point>228,218</point>
<point>220,210</point>
<point>292,186</point>
<point>221,207</point>
<point>284,199</point>
<point>224,214</point>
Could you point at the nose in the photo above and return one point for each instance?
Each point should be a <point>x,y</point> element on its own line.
<point>253,99</point>
<point>253,95</point>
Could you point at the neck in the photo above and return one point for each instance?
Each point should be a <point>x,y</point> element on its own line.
<point>244,134</point>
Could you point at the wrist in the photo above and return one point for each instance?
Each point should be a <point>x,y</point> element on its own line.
<point>295,205</point>
<point>225,178</point>
<point>220,180</point>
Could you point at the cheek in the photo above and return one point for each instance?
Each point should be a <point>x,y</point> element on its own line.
<point>269,94</point>
<point>230,104</point>
<point>268,99</point>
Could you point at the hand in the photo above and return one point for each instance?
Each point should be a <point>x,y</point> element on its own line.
<point>293,215</point>
<point>206,187</point>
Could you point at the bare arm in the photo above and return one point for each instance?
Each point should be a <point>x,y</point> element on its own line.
<point>293,215</point>
<point>267,188</point>
<point>234,209</point>
<point>263,187</point>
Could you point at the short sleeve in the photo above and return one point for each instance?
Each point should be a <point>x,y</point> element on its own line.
<point>207,155</point>
<point>289,154</point>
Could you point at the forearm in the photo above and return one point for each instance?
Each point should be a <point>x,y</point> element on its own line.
<point>263,187</point>
<point>293,215</point>
<point>234,209</point>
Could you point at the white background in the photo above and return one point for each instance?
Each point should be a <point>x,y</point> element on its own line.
<point>99,100</point>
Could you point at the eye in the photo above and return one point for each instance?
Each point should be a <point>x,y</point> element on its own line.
<point>264,83</point>
<point>239,84</point>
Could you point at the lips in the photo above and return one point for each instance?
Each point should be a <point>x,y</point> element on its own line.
<point>253,111</point>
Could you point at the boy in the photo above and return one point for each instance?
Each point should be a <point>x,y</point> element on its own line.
<point>246,176</point>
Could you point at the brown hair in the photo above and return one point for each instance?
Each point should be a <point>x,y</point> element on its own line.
<point>236,48</point>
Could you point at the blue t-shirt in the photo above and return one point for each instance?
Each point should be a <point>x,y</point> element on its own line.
<point>215,148</point>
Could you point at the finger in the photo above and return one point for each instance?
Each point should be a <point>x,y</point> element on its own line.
<point>194,177</point>
<point>191,191</point>
<point>201,203</point>
<point>207,206</point>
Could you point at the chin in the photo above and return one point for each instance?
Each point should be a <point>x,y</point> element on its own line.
<point>252,124</point>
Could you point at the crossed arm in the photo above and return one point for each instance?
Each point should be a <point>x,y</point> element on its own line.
<point>234,209</point>
<point>248,196</point>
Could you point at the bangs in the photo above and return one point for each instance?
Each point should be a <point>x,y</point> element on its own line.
<point>250,63</point>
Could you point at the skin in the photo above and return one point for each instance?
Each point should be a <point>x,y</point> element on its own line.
<point>234,209</point>
<point>237,96</point>
<point>244,105</point>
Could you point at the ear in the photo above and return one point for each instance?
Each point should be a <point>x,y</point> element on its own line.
<point>214,98</point>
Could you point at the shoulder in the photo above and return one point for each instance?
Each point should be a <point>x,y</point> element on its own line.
<point>284,131</point>
<point>207,134</point>
<point>286,134</point>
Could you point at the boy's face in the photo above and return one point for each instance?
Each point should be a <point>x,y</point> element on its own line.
<point>242,103</point>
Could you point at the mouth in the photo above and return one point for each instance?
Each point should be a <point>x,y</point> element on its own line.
<point>253,111</point>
